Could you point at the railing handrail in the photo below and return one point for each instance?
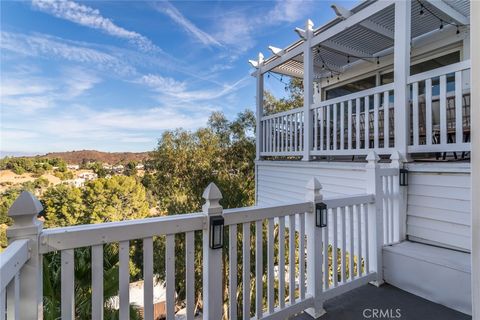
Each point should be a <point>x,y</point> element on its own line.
<point>343,201</point>
<point>363,93</point>
<point>12,260</point>
<point>459,66</point>
<point>256,213</point>
<point>283,113</point>
<point>89,235</point>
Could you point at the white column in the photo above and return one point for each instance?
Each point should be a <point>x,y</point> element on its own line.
<point>24,212</point>
<point>212,258</point>
<point>400,202</point>
<point>401,71</point>
<point>475,162</point>
<point>307,91</point>
<point>314,250</point>
<point>375,217</point>
<point>259,104</point>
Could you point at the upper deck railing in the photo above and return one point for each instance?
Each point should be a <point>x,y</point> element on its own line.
<point>302,261</point>
<point>438,119</point>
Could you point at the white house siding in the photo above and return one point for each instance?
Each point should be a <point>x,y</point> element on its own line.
<point>438,205</point>
<point>285,181</point>
<point>438,196</point>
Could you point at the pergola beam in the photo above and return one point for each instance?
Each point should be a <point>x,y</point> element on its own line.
<point>449,11</point>
<point>354,19</point>
<point>377,28</point>
<point>344,49</point>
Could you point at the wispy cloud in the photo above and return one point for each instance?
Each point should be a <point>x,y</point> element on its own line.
<point>40,45</point>
<point>94,128</point>
<point>239,29</point>
<point>167,87</point>
<point>28,93</point>
<point>90,17</point>
<point>172,12</point>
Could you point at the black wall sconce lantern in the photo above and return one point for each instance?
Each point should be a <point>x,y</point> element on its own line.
<point>403,177</point>
<point>216,232</point>
<point>321,215</point>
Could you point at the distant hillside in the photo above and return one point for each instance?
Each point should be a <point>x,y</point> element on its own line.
<point>76,157</point>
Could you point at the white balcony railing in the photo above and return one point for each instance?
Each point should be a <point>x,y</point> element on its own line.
<point>305,264</point>
<point>438,119</point>
<point>350,125</point>
<point>440,109</point>
<point>283,133</point>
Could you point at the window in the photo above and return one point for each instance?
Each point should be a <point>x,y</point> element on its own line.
<point>352,87</point>
<point>428,65</point>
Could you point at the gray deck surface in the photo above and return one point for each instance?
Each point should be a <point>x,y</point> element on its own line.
<point>351,305</point>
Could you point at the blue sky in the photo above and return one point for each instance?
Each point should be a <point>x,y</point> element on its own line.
<point>113,75</point>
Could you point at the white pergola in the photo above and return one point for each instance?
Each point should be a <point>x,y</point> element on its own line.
<point>374,32</point>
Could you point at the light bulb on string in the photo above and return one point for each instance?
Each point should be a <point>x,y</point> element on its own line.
<point>441,25</point>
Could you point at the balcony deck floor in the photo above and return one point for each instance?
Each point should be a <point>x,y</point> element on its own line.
<point>350,306</point>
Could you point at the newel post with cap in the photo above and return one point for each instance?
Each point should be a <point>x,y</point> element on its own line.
<point>24,212</point>
<point>213,238</point>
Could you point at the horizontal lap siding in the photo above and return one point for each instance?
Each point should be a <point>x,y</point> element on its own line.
<point>282,183</point>
<point>438,210</point>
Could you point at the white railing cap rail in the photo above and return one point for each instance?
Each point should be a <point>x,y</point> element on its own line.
<point>12,260</point>
<point>343,201</point>
<point>352,96</point>
<point>256,213</point>
<point>459,66</point>
<point>283,113</point>
<point>93,234</point>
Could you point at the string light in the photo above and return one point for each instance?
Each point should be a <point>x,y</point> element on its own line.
<point>348,59</point>
<point>423,8</point>
<point>378,60</point>
<point>458,30</point>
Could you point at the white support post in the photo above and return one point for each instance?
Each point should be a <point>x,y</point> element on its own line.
<point>475,162</point>
<point>307,91</point>
<point>400,200</point>
<point>24,212</point>
<point>401,70</point>
<point>375,217</point>
<point>314,250</point>
<point>212,258</point>
<point>259,103</point>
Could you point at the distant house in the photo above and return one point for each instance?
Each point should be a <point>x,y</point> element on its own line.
<point>136,298</point>
<point>78,182</point>
<point>88,176</point>
<point>139,166</point>
<point>73,166</point>
<point>107,166</point>
<point>118,168</point>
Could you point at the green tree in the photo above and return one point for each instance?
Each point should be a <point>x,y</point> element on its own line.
<point>185,162</point>
<point>293,100</point>
<point>114,199</point>
<point>130,169</point>
<point>63,206</point>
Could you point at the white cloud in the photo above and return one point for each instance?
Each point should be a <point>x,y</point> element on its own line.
<point>200,35</point>
<point>239,28</point>
<point>39,45</point>
<point>89,17</point>
<point>28,93</point>
<point>127,129</point>
<point>77,81</point>
<point>168,87</point>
